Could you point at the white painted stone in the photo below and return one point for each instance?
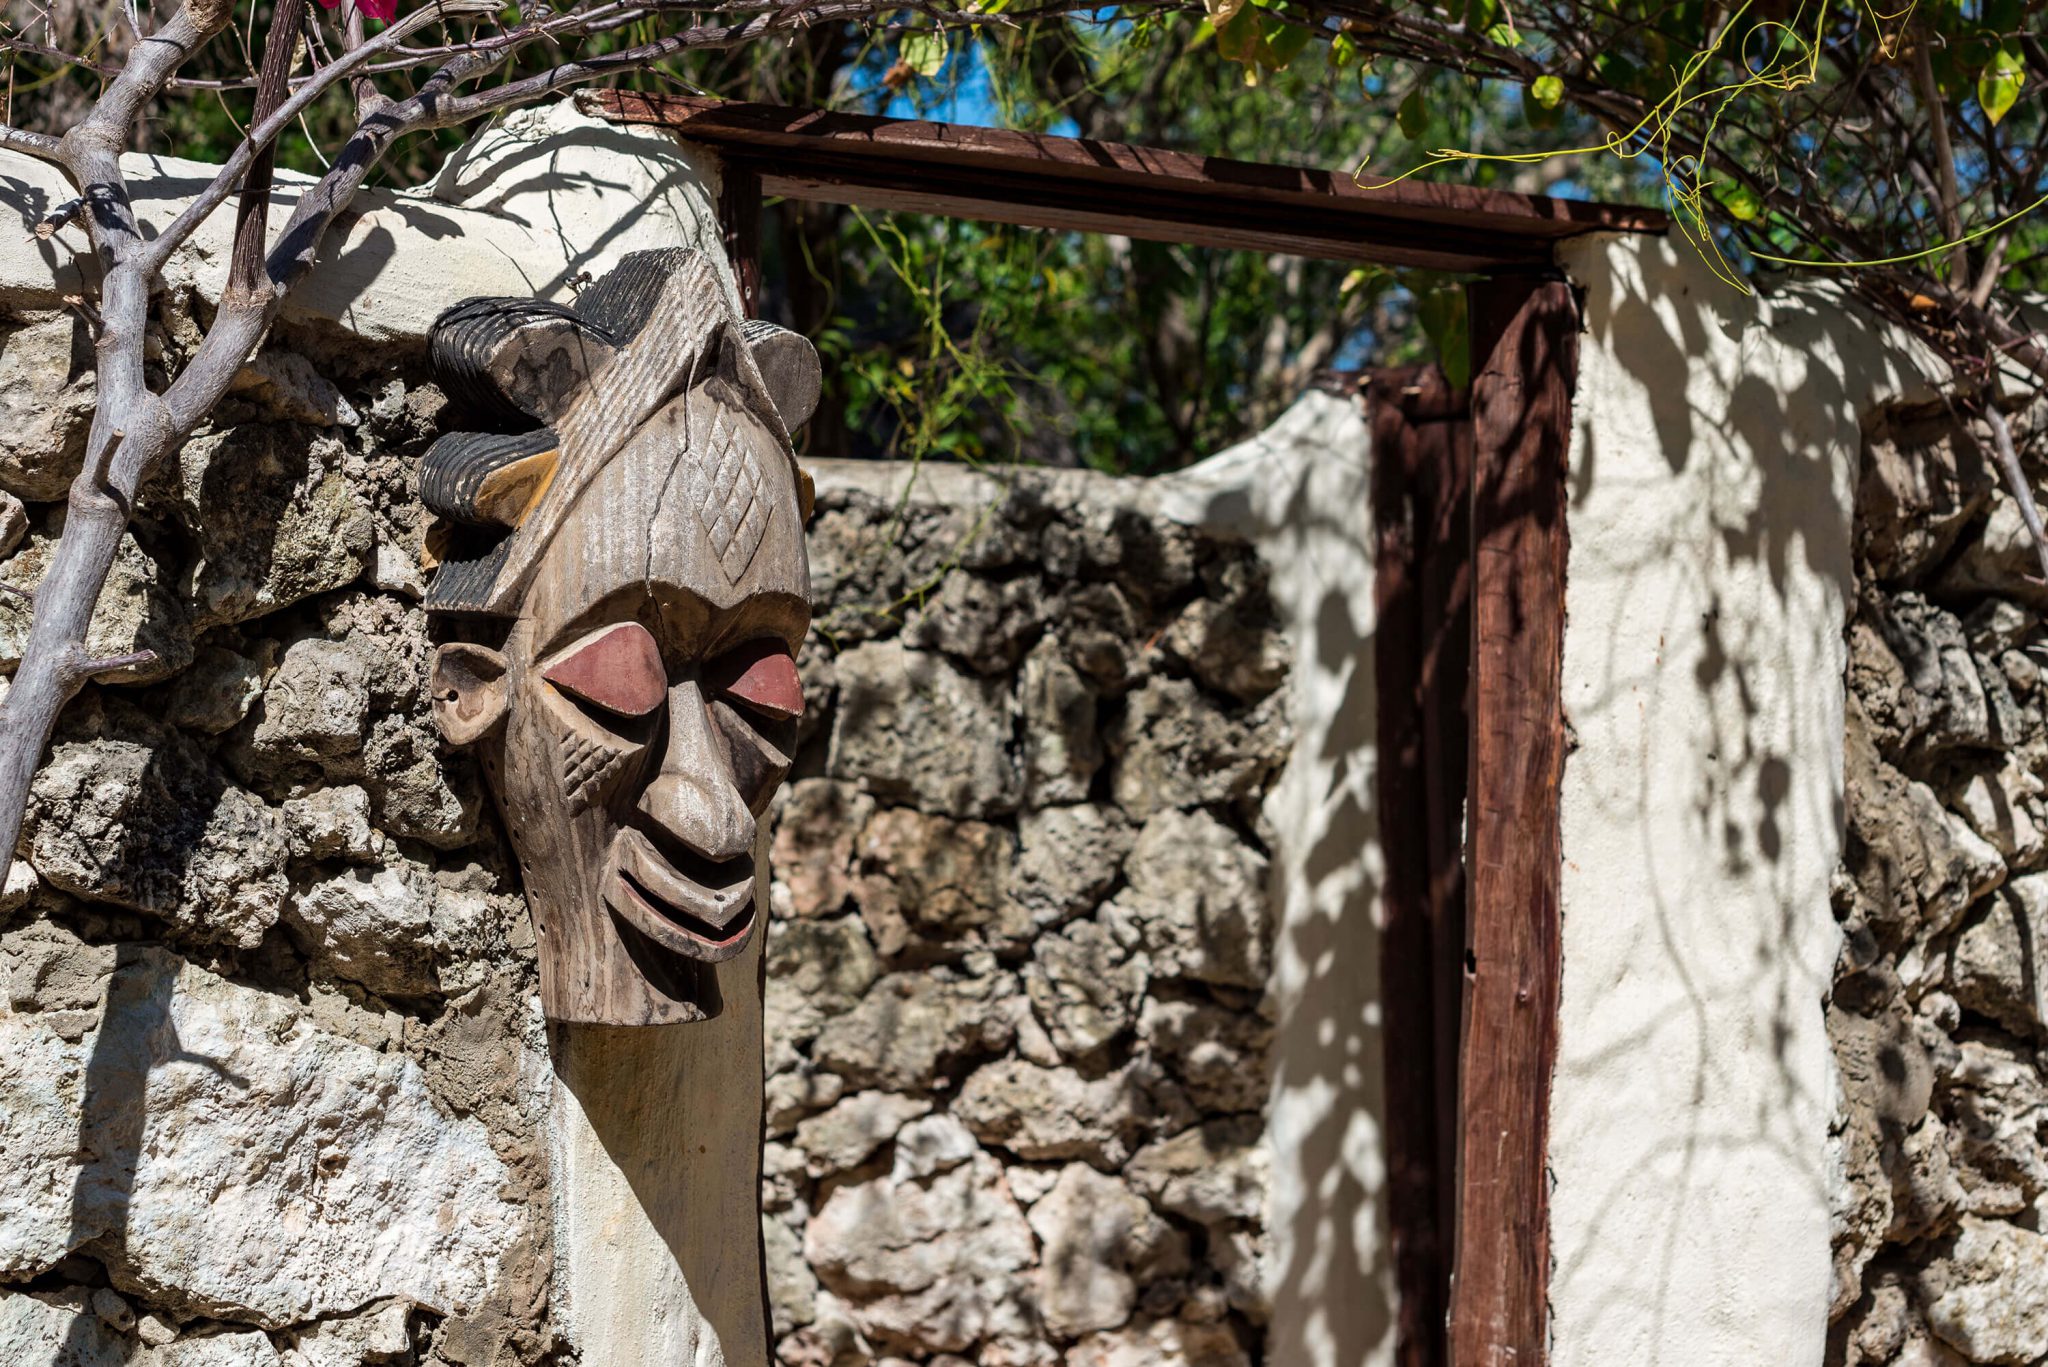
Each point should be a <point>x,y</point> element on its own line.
<point>1093,1234</point>
<point>937,1263</point>
<point>198,1112</point>
<point>932,1145</point>
<point>541,198</point>
<point>55,1333</point>
<point>1994,1306</point>
<point>214,1350</point>
<point>846,1135</point>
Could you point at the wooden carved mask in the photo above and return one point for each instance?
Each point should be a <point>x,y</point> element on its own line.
<point>627,573</point>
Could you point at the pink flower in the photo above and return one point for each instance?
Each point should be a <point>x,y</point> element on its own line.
<point>386,10</point>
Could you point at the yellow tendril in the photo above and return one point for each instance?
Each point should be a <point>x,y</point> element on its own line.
<point>1685,178</point>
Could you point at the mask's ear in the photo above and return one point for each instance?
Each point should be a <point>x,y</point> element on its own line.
<point>469,692</point>
<point>789,365</point>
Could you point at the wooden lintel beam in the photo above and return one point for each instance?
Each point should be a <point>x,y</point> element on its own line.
<point>1076,184</point>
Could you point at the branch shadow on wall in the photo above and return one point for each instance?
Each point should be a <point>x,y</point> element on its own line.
<point>136,1034</point>
<point>1710,583</point>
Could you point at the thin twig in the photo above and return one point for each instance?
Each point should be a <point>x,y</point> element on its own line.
<point>2016,482</point>
<point>1944,160</point>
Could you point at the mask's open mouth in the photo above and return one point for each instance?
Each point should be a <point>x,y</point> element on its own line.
<point>706,912</point>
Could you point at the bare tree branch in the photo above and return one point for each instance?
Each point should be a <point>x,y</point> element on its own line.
<point>265,131</point>
<point>2016,482</point>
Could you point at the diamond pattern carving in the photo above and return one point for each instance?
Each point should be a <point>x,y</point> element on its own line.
<point>734,514</point>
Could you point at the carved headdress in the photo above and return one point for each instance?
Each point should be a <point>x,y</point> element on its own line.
<point>590,375</point>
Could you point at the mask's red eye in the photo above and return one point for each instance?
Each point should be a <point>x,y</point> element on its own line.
<point>761,675</point>
<point>618,669</point>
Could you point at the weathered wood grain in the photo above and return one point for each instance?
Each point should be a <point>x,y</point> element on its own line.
<point>1421,439</point>
<point>1524,339</point>
<point>638,710</point>
<point>1086,185</point>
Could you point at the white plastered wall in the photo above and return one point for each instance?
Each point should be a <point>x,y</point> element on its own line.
<point>537,199</point>
<point>1713,462</point>
<point>1299,492</point>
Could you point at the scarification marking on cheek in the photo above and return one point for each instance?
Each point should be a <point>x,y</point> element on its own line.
<point>589,763</point>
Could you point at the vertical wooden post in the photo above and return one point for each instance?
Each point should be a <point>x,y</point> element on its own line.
<point>1525,352</point>
<point>739,222</point>
<point>1421,453</point>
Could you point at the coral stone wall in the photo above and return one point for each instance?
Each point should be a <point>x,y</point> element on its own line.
<point>271,1089</point>
<point>1016,1057</point>
<point>1941,1137</point>
<point>273,1085</point>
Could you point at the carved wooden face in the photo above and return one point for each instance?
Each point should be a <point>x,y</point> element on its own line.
<point>652,712</point>
<point>644,709</point>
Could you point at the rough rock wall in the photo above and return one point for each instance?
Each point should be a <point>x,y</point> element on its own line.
<point>270,1087</point>
<point>1940,1141</point>
<point>1016,1055</point>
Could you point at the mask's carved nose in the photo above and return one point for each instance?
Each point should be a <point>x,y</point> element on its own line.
<point>694,797</point>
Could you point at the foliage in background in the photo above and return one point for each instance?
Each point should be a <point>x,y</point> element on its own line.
<point>1776,132</point>
<point>1127,355</point>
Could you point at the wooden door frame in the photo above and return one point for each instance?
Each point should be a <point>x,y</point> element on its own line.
<point>1470,554</point>
<point>1470,546</point>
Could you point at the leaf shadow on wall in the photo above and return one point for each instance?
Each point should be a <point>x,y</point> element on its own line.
<point>1300,491</point>
<point>1710,577</point>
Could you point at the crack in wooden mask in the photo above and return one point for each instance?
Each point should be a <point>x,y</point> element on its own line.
<point>618,551</point>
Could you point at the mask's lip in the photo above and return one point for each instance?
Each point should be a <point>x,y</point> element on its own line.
<point>666,906</point>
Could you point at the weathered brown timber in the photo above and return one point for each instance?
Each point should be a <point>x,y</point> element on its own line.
<point>1525,344</point>
<point>1084,185</point>
<point>1421,443</point>
<point>739,223</point>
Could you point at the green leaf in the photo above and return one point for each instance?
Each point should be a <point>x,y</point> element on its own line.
<point>1503,35</point>
<point>1284,43</point>
<point>1222,12</point>
<point>1442,314</point>
<point>1237,38</point>
<point>1739,200</point>
<point>1536,114</point>
<point>1413,114</point>
<point>1547,90</point>
<point>1480,15</point>
<point>1998,85</point>
<point>923,52</point>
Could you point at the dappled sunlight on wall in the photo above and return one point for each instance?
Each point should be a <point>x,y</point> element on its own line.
<point>1299,490</point>
<point>1711,474</point>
